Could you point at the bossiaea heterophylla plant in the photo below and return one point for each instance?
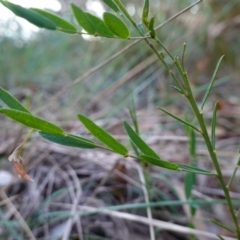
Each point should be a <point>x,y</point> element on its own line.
<point>112,26</point>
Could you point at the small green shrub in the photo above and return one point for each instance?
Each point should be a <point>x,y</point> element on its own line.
<point>112,26</point>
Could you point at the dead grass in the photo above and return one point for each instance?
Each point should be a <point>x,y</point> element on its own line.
<point>74,188</point>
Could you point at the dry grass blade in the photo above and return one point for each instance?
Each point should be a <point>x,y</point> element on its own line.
<point>70,221</point>
<point>158,223</point>
<point>86,74</point>
<point>18,216</point>
<point>5,201</point>
<point>126,77</point>
<point>103,181</point>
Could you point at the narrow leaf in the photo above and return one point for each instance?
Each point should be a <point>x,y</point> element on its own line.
<point>145,13</point>
<point>99,25</point>
<point>183,55</point>
<point>190,178</point>
<point>188,184</point>
<point>11,101</point>
<point>192,143</point>
<point>102,135</point>
<point>222,225</point>
<point>151,28</point>
<point>62,24</point>
<point>177,89</point>
<point>124,11</point>
<point>238,163</point>
<point>191,169</point>
<point>30,15</point>
<point>159,162</point>
<point>179,119</point>
<point>111,4</point>
<point>83,19</point>
<point>80,138</point>
<point>213,135</point>
<point>132,112</point>
<point>135,149</point>
<point>211,83</point>
<point>220,237</point>
<point>137,140</point>
<point>31,121</point>
<point>116,25</point>
<point>68,140</point>
<point>193,208</point>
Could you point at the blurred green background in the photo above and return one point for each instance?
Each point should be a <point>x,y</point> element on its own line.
<point>36,68</point>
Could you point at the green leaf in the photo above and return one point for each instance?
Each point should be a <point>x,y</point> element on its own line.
<point>116,25</point>
<point>132,113</point>
<point>211,83</point>
<point>145,13</point>
<point>62,24</point>
<point>124,11</point>
<point>177,89</point>
<point>238,163</point>
<point>100,26</point>
<point>191,140</point>
<point>151,28</point>
<point>190,177</point>
<point>81,138</point>
<point>68,140</point>
<point>188,184</point>
<point>90,23</point>
<point>159,162</point>
<point>32,121</point>
<point>192,143</point>
<point>112,5</point>
<point>179,119</point>
<point>183,55</point>
<point>11,101</point>
<point>222,225</point>
<point>191,169</point>
<point>102,135</point>
<point>214,117</point>
<point>30,15</point>
<point>137,140</point>
<point>193,208</point>
<point>83,19</point>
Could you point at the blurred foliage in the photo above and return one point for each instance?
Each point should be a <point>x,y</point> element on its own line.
<point>35,69</point>
<point>48,61</point>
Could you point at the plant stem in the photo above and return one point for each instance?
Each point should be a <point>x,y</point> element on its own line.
<point>165,49</point>
<point>235,170</point>
<point>213,156</point>
<point>199,114</point>
<point>124,11</point>
<point>232,177</point>
<point>212,152</point>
